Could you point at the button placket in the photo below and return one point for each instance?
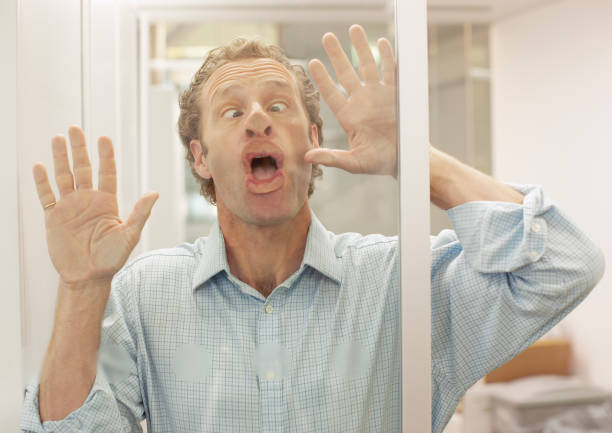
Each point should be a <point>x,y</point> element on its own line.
<point>270,380</point>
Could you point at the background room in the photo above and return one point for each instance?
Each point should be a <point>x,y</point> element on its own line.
<point>530,79</point>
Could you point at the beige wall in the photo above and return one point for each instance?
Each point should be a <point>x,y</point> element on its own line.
<point>552,125</point>
<point>10,361</point>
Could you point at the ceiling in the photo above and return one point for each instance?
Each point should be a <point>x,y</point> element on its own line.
<point>455,11</point>
<point>479,10</point>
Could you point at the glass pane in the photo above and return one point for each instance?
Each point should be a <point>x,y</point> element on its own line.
<point>459,98</point>
<point>317,347</point>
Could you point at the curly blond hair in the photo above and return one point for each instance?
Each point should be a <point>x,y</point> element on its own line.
<point>189,124</point>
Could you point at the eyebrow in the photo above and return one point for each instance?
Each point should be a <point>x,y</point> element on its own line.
<point>227,90</point>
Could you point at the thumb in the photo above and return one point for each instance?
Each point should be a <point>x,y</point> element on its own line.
<point>140,213</point>
<point>343,159</point>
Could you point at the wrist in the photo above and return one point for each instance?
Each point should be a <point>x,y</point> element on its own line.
<point>76,286</point>
<point>83,300</point>
<point>441,175</point>
<point>453,183</point>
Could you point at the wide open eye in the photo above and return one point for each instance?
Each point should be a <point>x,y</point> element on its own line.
<point>232,113</point>
<point>278,106</point>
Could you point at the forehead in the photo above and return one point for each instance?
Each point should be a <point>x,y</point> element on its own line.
<point>247,72</point>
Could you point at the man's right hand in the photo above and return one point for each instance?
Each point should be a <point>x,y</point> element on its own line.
<point>86,238</point>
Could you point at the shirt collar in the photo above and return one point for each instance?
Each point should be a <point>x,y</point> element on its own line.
<point>319,254</point>
<point>212,259</point>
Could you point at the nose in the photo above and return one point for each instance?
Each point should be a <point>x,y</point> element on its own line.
<point>258,123</point>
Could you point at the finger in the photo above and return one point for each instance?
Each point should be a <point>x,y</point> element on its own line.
<point>80,158</point>
<point>43,188</point>
<point>63,174</point>
<point>388,65</point>
<point>107,173</point>
<point>342,66</point>
<point>367,65</point>
<point>333,158</point>
<point>140,214</point>
<point>330,92</point>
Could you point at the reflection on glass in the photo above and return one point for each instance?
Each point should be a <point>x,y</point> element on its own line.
<point>459,98</point>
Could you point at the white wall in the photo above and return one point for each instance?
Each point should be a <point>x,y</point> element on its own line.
<point>552,125</point>
<point>10,361</point>
<point>49,100</point>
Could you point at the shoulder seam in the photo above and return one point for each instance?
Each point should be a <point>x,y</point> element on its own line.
<point>369,244</point>
<point>147,255</point>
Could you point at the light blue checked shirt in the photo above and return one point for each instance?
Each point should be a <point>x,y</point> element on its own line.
<point>193,349</point>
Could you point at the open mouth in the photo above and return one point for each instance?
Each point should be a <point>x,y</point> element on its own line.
<point>263,167</point>
<point>264,171</point>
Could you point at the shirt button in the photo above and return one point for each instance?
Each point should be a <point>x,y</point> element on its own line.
<point>533,254</point>
<point>535,227</point>
<point>269,308</point>
<point>270,375</point>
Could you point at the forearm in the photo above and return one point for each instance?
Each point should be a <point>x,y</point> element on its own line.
<point>453,183</point>
<point>515,271</point>
<point>69,368</point>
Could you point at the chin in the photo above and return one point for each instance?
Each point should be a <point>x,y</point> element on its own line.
<point>265,215</point>
<point>269,211</point>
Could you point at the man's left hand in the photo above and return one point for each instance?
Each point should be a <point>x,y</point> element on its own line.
<point>367,112</point>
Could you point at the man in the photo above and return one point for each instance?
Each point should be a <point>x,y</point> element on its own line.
<point>271,323</point>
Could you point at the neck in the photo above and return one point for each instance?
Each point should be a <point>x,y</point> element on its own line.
<point>264,256</point>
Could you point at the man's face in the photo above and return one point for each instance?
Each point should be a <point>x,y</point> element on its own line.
<point>256,131</point>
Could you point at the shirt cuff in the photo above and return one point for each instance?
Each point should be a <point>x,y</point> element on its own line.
<point>501,236</point>
<point>73,423</point>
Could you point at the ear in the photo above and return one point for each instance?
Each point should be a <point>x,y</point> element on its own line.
<point>314,135</point>
<point>199,163</point>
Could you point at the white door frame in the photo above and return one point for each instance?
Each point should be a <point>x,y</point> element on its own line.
<point>413,124</point>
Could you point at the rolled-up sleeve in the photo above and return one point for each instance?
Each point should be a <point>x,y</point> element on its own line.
<point>503,278</point>
<point>114,403</point>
